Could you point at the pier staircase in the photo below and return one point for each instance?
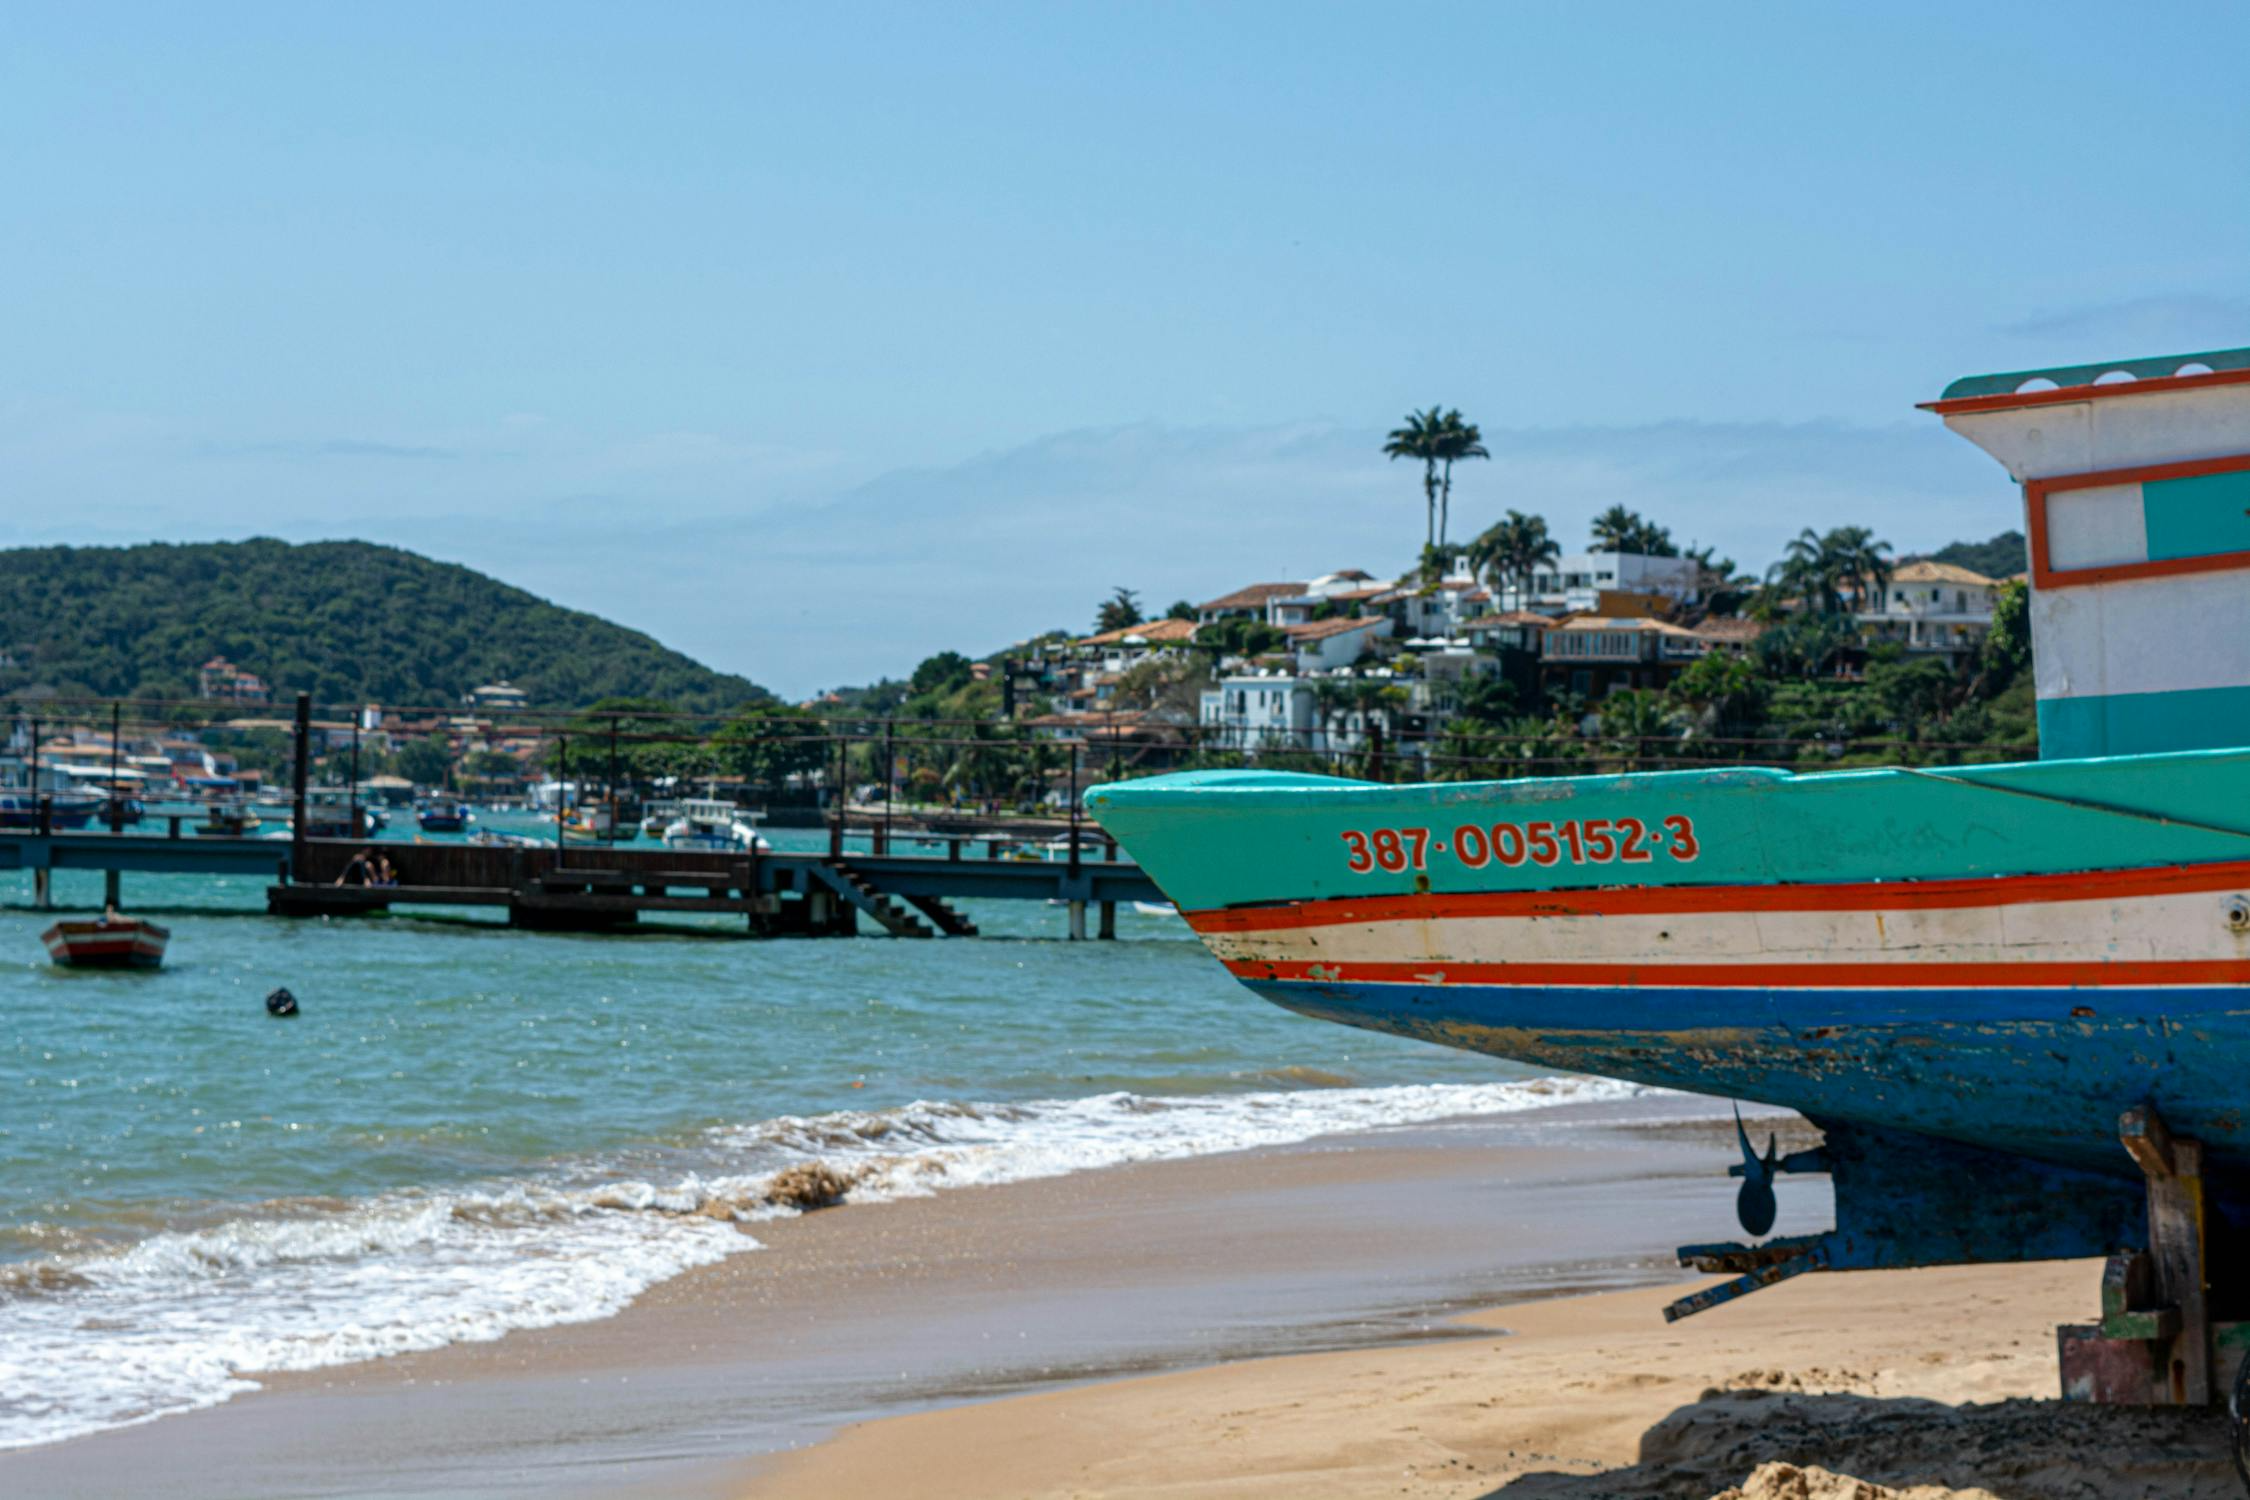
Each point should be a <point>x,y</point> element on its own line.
<point>949,919</point>
<point>886,910</point>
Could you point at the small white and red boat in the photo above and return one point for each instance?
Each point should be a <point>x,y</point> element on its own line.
<point>107,943</point>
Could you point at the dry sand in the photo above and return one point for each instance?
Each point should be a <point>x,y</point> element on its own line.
<point>1844,1387</point>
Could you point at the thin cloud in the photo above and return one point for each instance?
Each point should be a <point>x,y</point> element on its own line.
<point>329,448</point>
<point>2184,323</point>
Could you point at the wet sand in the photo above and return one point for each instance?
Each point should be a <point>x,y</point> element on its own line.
<point>864,1311</point>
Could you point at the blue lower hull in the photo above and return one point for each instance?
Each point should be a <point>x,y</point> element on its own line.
<point>2041,1073</point>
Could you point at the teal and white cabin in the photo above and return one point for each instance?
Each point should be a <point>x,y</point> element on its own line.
<point>2136,489</point>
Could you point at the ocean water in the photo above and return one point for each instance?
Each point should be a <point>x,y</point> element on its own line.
<point>471,1129</point>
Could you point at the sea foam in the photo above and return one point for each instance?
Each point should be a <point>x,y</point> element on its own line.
<point>184,1319</point>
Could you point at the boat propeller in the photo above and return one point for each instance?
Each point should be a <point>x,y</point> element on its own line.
<point>1754,1206</point>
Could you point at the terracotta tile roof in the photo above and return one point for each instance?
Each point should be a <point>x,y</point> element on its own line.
<point>1926,571</point>
<point>1320,630</point>
<point>1254,596</point>
<point>1154,632</point>
<point>1512,617</point>
<point>1355,595</point>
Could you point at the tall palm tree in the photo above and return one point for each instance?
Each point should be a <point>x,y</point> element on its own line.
<point>1456,440</point>
<point>1420,439</point>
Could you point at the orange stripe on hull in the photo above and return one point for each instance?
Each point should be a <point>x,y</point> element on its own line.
<point>1874,895</point>
<point>1896,976</point>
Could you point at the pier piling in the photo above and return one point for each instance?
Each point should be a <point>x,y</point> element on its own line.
<point>1078,921</point>
<point>1107,931</point>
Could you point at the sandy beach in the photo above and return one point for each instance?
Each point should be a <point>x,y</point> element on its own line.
<point>1923,1384</point>
<point>1451,1310</point>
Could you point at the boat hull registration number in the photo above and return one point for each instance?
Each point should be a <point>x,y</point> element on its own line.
<point>1574,841</point>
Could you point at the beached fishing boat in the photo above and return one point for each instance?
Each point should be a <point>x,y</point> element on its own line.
<point>110,942</point>
<point>2016,998</point>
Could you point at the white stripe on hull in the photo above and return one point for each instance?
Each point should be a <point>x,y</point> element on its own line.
<point>2166,927</point>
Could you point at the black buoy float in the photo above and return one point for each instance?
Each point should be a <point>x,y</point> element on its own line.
<point>281,1003</point>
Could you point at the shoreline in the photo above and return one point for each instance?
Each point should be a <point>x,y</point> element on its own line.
<point>1338,1242</point>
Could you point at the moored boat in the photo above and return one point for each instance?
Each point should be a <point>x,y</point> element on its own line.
<point>443,815</point>
<point>228,818</point>
<point>712,825</point>
<point>108,942</point>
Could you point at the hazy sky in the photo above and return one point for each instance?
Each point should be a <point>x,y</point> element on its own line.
<point>813,339</point>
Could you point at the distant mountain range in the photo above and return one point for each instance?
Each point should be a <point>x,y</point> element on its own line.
<point>348,622</point>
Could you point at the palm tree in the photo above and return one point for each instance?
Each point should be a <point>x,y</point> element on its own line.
<point>1420,439</point>
<point>1513,549</point>
<point>1617,529</point>
<point>1456,439</point>
<point>1860,560</point>
<point>1809,570</point>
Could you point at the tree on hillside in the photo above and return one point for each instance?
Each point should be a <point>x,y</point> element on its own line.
<point>1420,439</point>
<point>1180,610</point>
<point>1239,636</point>
<point>1820,569</point>
<point>1456,440</point>
<point>1622,529</point>
<point>1615,528</point>
<point>1119,610</point>
<point>939,674</point>
<point>424,762</point>
<point>768,744</point>
<point>1511,550</point>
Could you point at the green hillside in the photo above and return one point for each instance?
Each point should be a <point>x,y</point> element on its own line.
<point>344,621</point>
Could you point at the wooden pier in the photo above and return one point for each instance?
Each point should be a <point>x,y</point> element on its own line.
<point>582,888</point>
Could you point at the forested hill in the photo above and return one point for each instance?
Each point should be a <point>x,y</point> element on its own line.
<point>348,622</point>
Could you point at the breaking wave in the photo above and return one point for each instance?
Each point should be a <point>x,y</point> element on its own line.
<point>183,1319</point>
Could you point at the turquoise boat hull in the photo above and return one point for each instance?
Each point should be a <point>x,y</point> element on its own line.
<point>1981,965</point>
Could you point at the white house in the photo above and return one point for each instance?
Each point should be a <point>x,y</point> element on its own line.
<point>1933,607</point>
<point>1250,710</point>
<point>1576,581</point>
<point>1325,645</point>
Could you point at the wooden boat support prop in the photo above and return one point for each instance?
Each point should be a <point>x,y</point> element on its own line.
<point>1904,1199</point>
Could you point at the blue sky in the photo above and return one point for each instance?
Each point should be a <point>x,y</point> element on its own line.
<point>815,339</point>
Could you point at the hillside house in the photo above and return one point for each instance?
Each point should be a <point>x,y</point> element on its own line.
<point>1325,645</point>
<point>1596,655</point>
<point>1934,608</point>
<point>222,681</point>
<point>1575,581</point>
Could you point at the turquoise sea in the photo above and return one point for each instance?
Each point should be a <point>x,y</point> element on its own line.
<point>470,1129</point>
